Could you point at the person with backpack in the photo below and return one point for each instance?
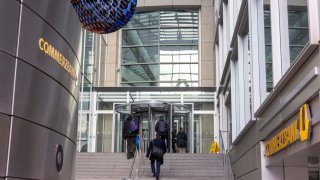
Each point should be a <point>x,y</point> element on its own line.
<point>129,132</point>
<point>162,128</point>
<point>181,141</point>
<point>157,149</point>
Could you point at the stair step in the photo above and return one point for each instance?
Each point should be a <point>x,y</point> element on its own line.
<point>101,166</point>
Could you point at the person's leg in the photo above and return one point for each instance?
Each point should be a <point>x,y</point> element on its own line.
<point>173,148</point>
<point>158,163</point>
<point>128,148</point>
<point>152,168</point>
<point>132,146</point>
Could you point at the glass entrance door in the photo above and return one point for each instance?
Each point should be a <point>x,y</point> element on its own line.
<point>179,117</point>
<point>181,124</point>
<point>121,114</point>
<point>148,115</point>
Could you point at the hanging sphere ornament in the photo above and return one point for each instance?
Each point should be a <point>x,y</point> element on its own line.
<point>104,16</point>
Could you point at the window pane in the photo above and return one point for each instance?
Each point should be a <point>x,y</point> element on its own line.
<point>168,37</point>
<point>268,44</point>
<point>139,73</point>
<point>166,68</point>
<point>178,54</point>
<point>194,77</point>
<point>178,18</point>
<point>294,52</point>
<point>165,77</point>
<point>298,26</point>
<point>269,87</point>
<point>269,72</point>
<point>175,72</point>
<point>179,36</point>
<point>194,68</point>
<point>140,37</point>
<point>140,55</point>
<point>140,20</point>
<point>299,36</point>
<point>89,38</point>
<point>268,51</point>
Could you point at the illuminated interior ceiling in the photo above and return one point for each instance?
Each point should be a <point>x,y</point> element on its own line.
<point>104,16</point>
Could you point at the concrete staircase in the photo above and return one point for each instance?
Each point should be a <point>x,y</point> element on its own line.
<point>112,166</point>
<point>102,166</point>
<point>186,166</point>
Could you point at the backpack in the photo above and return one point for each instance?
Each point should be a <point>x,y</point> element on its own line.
<point>162,127</point>
<point>156,151</point>
<point>134,125</point>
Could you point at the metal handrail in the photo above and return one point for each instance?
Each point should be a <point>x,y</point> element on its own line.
<point>136,161</point>
<point>133,163</point>
<point>226,160</point>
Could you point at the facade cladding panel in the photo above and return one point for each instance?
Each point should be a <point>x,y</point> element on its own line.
<point>9,18</point>
<point>47,10</point>
<point>32,30</point>
<point>45,94</point>
<point>7,80</point>
<point>36,88</point>
<point>287,51</point>
<point>41,144</point>
<point>4,139</point>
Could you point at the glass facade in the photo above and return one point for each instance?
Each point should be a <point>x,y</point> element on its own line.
<point>161,49</point>
<point>100,127</point>
<point>268,46</point>
<point>91,52</point>
<point>298,34</point>
<point>298,26</point>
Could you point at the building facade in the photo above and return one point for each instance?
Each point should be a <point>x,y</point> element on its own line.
<point>165,55</point>
<point>267,54</point>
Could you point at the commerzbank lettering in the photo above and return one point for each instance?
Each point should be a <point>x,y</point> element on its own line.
<point>58,57</point>
<point>298,130</point>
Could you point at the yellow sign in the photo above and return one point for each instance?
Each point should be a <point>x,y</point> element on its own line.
<point>214,148</point>
<point>57,56</point>
<point>299,129</point>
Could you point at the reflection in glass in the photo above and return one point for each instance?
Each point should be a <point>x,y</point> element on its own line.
<point>104,133</point>
<point>179,18</point>
<point>147,19</point>
<point>83,127</point>
<point>165,41</point>
<point>179,36</point>
<point>298,26</point>
<point>183,74</point>
<point>140,55</point>
<point>268,47</point>
<point>178,54</point>
<point>140,37</point>
<point>204,132</point>
<point>139,73</point>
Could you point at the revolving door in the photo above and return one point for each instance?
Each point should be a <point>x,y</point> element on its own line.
<point>148,112</point>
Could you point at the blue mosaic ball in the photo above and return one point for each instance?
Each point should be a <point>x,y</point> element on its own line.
<point>104,16</point>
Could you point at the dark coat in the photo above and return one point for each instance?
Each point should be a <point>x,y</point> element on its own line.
<point>160,143</point>
<point>182,139</point>
<point>126,129</point>
<point>156,128</point>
